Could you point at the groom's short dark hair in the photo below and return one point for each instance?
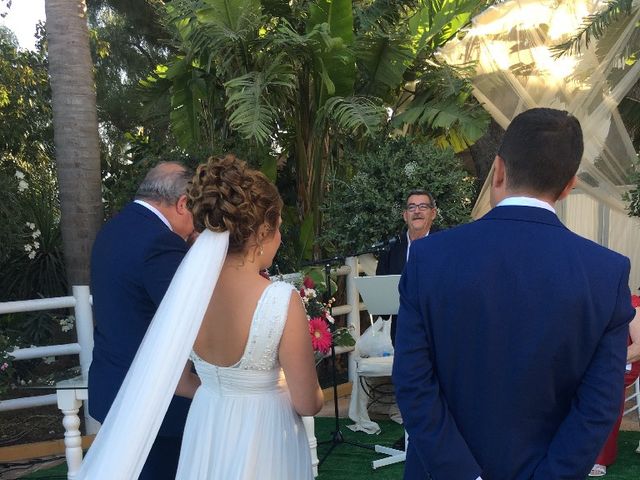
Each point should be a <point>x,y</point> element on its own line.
<point>542,149</point>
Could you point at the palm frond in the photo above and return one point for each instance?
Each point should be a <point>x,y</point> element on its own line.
<point>353,114</point>
<point>594,26</point>
<point>255,100</point>
<point>384,59</point>
<point>443,107</point>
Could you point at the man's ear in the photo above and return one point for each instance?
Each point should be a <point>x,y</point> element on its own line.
<point>181,204</point>
<point>498,180</point>
<point>567,189</point>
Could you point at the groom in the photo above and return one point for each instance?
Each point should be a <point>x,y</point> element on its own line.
<point>512,330</point>
<point>134,258</point>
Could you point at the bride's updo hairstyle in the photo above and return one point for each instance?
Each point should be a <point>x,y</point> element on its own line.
<point>228,195</point>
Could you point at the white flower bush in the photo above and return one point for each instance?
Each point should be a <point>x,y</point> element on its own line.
<point>67,324</point>
<point>32,247</point>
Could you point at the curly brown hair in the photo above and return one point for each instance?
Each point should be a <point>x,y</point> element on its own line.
<point>227,195</point>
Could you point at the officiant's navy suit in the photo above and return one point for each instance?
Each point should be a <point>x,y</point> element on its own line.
<point>510,349</point>
<point>134,258</point>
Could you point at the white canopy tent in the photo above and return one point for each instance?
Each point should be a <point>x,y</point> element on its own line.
<point>510,47</point>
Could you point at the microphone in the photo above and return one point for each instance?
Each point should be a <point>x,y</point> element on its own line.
<point>387,243</point>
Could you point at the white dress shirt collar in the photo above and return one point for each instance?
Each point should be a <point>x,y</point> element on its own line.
<point>525,202</point>
<point>409,242</point>
<point>156,211</point>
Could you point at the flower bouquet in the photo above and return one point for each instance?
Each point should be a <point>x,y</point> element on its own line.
<point>322,328</point>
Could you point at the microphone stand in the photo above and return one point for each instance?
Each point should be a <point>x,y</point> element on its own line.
<point>337,438</point>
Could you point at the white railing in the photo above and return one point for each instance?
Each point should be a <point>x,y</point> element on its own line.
<point>80,301</point>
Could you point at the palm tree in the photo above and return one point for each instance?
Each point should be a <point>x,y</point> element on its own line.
<point>303,78</point>
<point>75,133</point>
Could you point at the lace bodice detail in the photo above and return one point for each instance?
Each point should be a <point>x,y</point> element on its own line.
<point>267,325</point>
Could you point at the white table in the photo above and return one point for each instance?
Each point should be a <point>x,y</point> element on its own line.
<point>70,394</point>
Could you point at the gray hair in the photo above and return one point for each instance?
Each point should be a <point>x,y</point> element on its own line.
<point>165,183</point>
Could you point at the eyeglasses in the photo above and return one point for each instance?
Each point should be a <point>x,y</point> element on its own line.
<point>412,207</point>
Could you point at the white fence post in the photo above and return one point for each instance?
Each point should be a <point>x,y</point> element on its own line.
<point>84,325</point>
<point>84,330</point>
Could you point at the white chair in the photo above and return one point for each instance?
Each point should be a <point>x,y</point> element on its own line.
<point>360,394</point>
<point>634,396</point>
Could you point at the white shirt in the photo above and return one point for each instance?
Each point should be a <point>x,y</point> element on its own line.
<point>156,211</point>
<point>525,202</point>
<point>409,243</point>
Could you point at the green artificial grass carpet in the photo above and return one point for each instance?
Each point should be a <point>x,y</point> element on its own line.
<point>348,462</point>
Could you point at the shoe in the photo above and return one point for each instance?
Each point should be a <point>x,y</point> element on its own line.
<point>638,449</point>
<point>598,471</point>
<point>399,444</point>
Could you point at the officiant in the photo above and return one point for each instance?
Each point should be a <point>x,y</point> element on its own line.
<point>419,213</point>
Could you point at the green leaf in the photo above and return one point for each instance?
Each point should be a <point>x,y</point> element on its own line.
<point>354,114</point>
<point>270,167</point>
<point>384,60</point>
<point>307,230</point>
<point>254,99</point>
<point>187,92</point>
<point>232,14</point>
<point>332,22</point>
<point>338,14</point>
<point>440,19</point>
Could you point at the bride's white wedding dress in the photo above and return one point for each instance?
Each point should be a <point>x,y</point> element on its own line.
<point>242,424</point>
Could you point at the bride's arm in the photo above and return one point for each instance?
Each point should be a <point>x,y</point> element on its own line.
<point>189,382</point>
<point>633,352</point>
<point>296,358</point>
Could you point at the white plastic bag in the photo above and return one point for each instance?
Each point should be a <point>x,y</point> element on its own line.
<point>376,340</point>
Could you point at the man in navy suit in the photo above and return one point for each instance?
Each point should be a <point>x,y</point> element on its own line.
<point>512,330</point>
<point>418,215</point>
<point>134,258</point>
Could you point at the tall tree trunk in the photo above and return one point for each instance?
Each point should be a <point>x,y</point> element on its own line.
<point>75,125</point>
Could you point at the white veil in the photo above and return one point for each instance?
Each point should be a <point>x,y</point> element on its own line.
<point>121,447</point>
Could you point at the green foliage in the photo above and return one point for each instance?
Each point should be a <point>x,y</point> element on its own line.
<point>336,64</point>
<point>254,98</point>
<point>443,106</point>
<point>358,116</point>
<point>595,26</point>
<point>6,364</point>
<point>30,242</point>
<point>632,197</point>
<point>368,206</point>
<point>33,265</point>
<point>26,129</point>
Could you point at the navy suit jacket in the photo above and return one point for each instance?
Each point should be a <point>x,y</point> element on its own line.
<point>133,260</point>
<point>510,349</point>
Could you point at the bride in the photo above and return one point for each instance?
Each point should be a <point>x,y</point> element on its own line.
<point>248,339</point>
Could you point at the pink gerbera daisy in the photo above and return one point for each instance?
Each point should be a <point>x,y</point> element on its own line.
<point>320,335</point>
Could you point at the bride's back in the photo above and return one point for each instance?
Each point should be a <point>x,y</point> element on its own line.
<point>225,328</point>
<point>227,195</point>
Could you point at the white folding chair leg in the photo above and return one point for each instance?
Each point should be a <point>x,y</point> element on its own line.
<point>634,396</point>
<point>395,456</point>
<point>309,426</point>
